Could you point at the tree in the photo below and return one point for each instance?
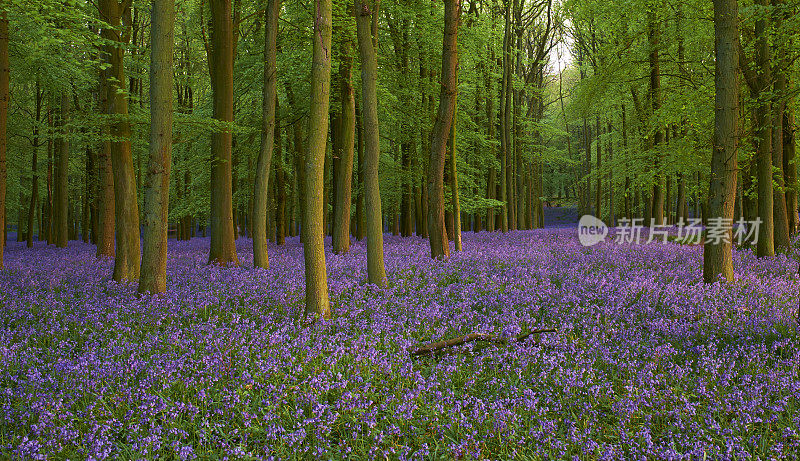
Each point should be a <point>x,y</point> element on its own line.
<point>717,255</point>
<point>376,272</point>
<point>264,162</point>
<point>454,177</point>
<point>759,80</point>
<point>437,234</point>
<point>105,187</point>
<point>156,200</point>
<point>126,214</point>
<point>4,99</point>
<point>344,167</point>
<point>61,189</point>
<point>220,65</point>
<point>317,301</point>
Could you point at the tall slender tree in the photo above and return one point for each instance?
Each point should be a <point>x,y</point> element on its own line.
<point>156,200</point>
<point>317,301</point>
<point>126,209</point>
<point>717,255</point>
<point>220,64</point>
<point>61,189</point>
<point>344,168</point>
<point>4,99</point>
<point>437,233</point>
<point>264,162</point>
<point>376,272</point>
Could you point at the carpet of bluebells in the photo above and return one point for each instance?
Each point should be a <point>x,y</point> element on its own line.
<point>647,361</point>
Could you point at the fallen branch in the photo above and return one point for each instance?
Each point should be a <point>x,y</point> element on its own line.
<point>479,337</point>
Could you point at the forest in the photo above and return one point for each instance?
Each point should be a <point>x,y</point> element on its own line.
<point>436,229</point>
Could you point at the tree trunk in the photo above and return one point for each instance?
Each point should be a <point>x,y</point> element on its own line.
<point>35,166</point>
<point>654,37</point>
<point>717,256</point>
<point>779,87</point>
<point>264,163</point>
<point>220,61</point>
<point>376,271</point>
<point>441,131</point>
<point>505,121</point>
<point>156,200</point>
<point>61,199</point>
<point>456,203</point>
<point>598,198</point>
<point>126,213</point>
<point>360,220</point>
<point>681,215</point>
<point>344,168</point>
<point>280,189</point>
<point>317,301</point>
<point>105,187</point>
<point>790,168</point>
<point>4,100</point>
<point>491,180</point>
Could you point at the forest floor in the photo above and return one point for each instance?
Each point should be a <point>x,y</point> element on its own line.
<point>647,361</point>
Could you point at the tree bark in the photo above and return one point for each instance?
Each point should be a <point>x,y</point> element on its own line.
<point>598,202</point>
<point>505,124</point>
<point>654,37</point>
<point>376,272</point>
<point>4,100</point>
<point>264,163</point>
<point>317,301</point>
<point>790,168</point>
<point>717,256</point>
<point>220,62</point>
<point>156,200</point>
<point>437,235</point>
<point>126,213</point>
<point>280,189</point>
<point>360,218</point>
<point>105,188</point>
<point>35,166</point>
<point>779,87</point>
<point>344,168</point>
<point>456,203</point>
<point>61,195</point>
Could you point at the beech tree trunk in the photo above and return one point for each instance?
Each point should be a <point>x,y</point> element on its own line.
<point>779,87</point>
<point>156,200</point>
<point>105,187</point>
<point>456,203</point>
<point>344,168</point>
<point>505,124</point>
<point>61,194</point>
<point>763,127</point>
<point>376,272</point>
<point>220,62</point>
<point>4,100</point>
<point>264,163</point>
<point>598,199</point>
<point>360,215</point>
<point>126,215</point>
<point>317,301</point>
<point>280,189</point>
<point>437,234</point>
<point>35,166</point>
<point>654,36</point>
<point>790,168</point>
<point>717,256</point>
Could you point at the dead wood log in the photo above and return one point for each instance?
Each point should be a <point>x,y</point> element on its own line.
<point>479,337</point>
